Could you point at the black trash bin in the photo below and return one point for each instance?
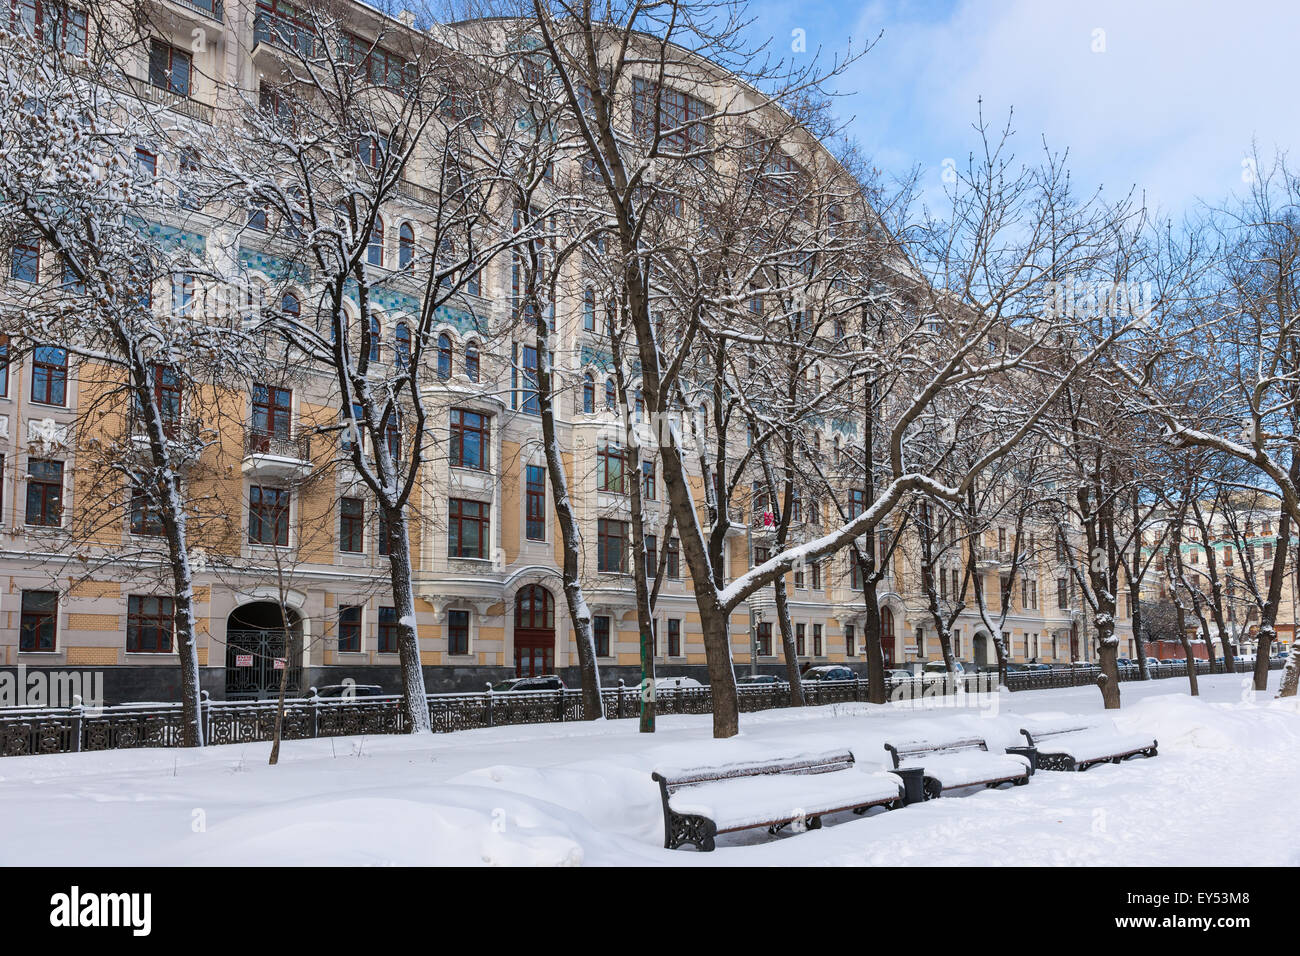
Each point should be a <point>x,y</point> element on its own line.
<point>913,784</point>
<point>1030,752</point>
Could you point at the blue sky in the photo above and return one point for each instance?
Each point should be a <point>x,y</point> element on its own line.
<point>1171,103</point>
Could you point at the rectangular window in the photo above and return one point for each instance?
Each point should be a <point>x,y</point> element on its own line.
<point>271,410</point>
<point>145,520</point>
<point>44,492</point>
<point>600,633</point>
<point>169,68</point>
<point>857,502</point>
<point>525,398</point>
<point>648,480</point>
<point>352,525</point>
<point>350,628</point>
<point>674,568</point>
<point>1062,594</point>
<point>800,642</point>
<point>611,464</point>
<point>535,503</point>
<point>150,623</point>
<point>651,555</point>
<point>470,433</point>
<point>764,631</point>
<point>458,632</point>
<point>25,260</point>
<point>611,545</point>
<point>467,528</point>
<point>49,375</point>
<point>815,570</point>
<point>387,630</point>
<point>850,641</point>
<point>268,516</point>
<point>674,637</point>
<point>4,366</point>
<point>57,25</point>
<point>817,640</point>
<point>38,628</point>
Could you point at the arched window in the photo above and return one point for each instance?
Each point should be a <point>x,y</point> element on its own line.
<point>405,246</point>
<point>533,607</point>
<point>609,395</point>
<point>471,361</point>
<point>588,394</point>
<point>402,345</point>
<point>375,251</point>
<point>589,310</point>
<point>290,306</point>
<point>444,356</point>
<point>374,339</point>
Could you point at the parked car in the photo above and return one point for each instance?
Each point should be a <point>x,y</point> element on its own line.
<point>754,679</point>
<point>540,682</point>
<point>938,667</point>
<point>828,672</point>
<point>675,683</point>
<point>337,691</point>
<point>1153,662</point>
<point>897,673</point>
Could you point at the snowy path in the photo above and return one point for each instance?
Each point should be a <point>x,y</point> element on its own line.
<point>557,794</point>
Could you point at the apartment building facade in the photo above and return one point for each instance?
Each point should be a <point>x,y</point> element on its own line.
<point>291,575</point>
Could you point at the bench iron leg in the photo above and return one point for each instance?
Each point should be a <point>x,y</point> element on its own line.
<point>680,829</point>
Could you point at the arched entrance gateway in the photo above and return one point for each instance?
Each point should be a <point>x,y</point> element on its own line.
<point>257,637</point>
<point>982,650</point>
<point>534,631</point>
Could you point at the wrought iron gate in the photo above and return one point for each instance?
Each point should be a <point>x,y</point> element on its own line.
<point>251,673</point>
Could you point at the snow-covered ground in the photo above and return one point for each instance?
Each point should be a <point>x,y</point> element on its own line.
<point>1218,794</point>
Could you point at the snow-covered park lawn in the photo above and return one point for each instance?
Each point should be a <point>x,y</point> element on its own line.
<point>1218,794</point>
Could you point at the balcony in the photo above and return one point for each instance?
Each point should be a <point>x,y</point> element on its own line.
<point>275,454</point>
<point>183,435</point>
<point>283,35</point>
<point>417,193</point>
<point>987,559</point>
<point>201,11</point>
<point>177,103</point>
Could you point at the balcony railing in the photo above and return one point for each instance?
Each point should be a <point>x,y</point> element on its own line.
<point>175,102</point>
<point>416,193</point>
<point>212,9</point>
<point>286,444</point>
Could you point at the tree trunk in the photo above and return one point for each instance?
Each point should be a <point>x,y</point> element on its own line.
<point>1107,656</point>
<point>1291,673</point>
<point>1268,616</point>
<point>872,640</point>
<point>788,647</point>
<point>584,638</point>
<point>1180,616</point>
<point>408,641</point>
<point>1135,614</point>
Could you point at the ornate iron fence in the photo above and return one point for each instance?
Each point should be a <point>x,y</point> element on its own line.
<point>68,730</point>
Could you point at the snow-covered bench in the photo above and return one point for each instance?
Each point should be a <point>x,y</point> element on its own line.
<point>1075,746</point>
<point>701,802</point>
<point>959,763</point>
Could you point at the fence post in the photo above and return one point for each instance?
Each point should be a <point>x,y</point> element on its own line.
<point>561,693</point>
<point>620,711</point>
<point>205,714</point>
<point>75,712</point>
<point>490,715</point>
<point>315,713</point>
